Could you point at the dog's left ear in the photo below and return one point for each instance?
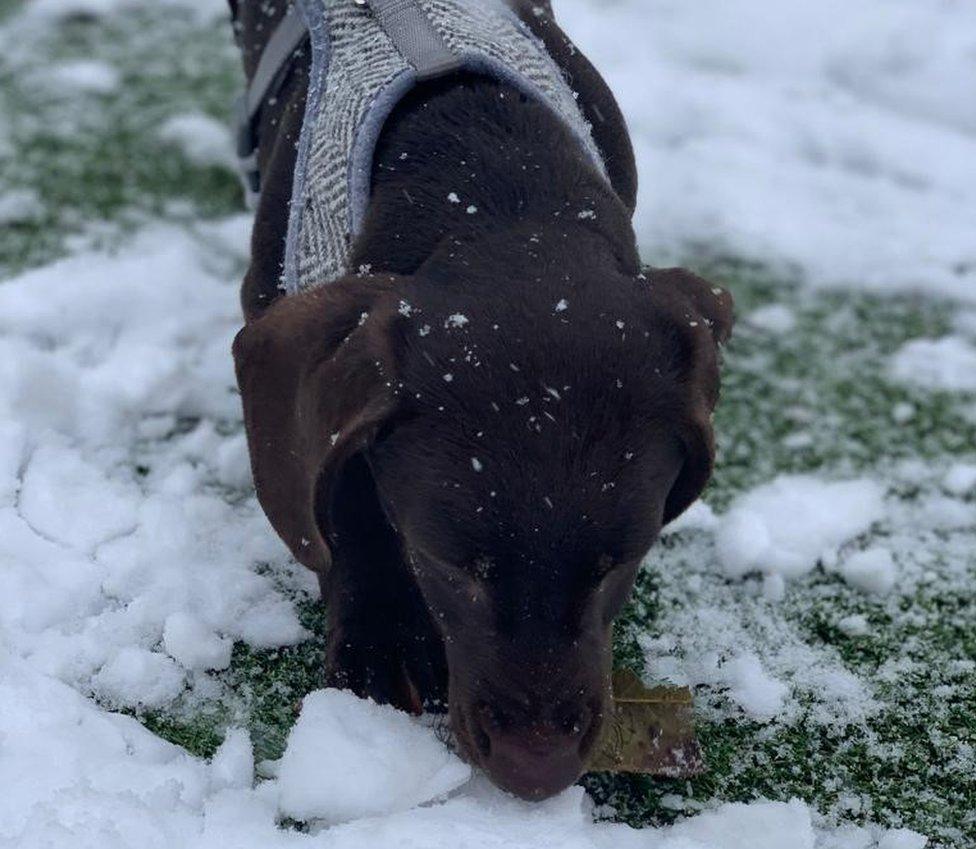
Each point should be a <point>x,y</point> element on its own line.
<point>316,374</point>
<point>706,311</point>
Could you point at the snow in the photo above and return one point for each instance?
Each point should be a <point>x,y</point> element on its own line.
<point>699,516</point>
<point>19,206</point>
<point>348,759</point>
<point>947,364</point>
<point>76,775</point>
<point>135,677</point>
<point>87,75</point>
<point>752,687</point>
<point>70,501</point>
<point>232,765</point>
<point>193,644</point>
<point>203,140</point>
<point>204,10</point>
<point>456,320</point>
<point>960,479</point>
<point>836,138</point>
<point>855,625</point>
<point>786,526</point>
<point>873,571</point>
<point>773,318</point>
<point>901,838</point>
<point>99,560</point>
<point>99,779</point>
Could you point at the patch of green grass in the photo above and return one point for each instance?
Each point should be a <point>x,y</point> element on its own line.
<point>97,158</point>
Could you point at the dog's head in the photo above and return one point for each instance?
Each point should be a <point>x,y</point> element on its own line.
<point>526,450</point>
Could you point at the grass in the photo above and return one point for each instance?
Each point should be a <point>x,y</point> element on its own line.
<point>812,400</point>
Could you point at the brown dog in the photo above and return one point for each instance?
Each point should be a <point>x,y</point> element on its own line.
<point>475,443</point>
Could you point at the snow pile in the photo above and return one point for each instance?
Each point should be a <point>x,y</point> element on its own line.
<point>348,759</point>
<point>194,645</point>
<point>126,571</point>
<point>233,763</point>
<point>947,364</point>
<point>834,137</point>
<point>731,640</point>
<point>74,774</point>
<point>750,685</point>
<point>786,526</point>
<point>744,653</point>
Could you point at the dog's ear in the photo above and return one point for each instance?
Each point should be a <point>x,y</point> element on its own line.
<point>708,301</point>
<point>704,312</point>
<point>316,375</point>
<point>699,445</point>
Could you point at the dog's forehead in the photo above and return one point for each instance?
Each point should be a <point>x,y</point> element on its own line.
<point>542,494</point>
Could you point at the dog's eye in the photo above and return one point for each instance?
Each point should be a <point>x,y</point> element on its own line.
<point>476,571</point>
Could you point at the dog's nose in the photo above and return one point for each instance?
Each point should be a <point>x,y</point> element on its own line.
<point>533,760</point>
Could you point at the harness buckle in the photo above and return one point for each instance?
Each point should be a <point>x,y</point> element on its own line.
<point>247,151</point>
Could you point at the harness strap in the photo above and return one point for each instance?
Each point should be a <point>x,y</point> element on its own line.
<point>272,67</point>
<point>412,33</point>
<point>405,23</point>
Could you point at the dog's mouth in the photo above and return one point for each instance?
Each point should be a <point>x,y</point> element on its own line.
<point>530,769</point>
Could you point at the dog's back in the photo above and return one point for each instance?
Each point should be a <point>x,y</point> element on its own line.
<point>280,125</point>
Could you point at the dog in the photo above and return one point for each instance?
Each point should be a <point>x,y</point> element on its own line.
<point>475,438</point>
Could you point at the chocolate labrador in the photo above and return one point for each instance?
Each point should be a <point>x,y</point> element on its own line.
<point>475,440</point>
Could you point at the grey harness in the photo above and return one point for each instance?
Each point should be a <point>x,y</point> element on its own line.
<point>366,55</point>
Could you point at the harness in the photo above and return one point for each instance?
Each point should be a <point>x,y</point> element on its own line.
<point>366,56</point>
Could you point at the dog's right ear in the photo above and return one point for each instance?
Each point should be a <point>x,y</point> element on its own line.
<point>705,315</point>
<point>316,373</point>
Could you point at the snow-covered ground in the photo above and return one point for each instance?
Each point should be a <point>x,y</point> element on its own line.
<point>832,136</point>
<point>832,139</point>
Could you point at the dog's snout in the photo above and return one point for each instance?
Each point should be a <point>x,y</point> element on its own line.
<point>533,758</point>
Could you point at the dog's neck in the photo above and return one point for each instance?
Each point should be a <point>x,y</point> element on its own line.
<point>464,160</point>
